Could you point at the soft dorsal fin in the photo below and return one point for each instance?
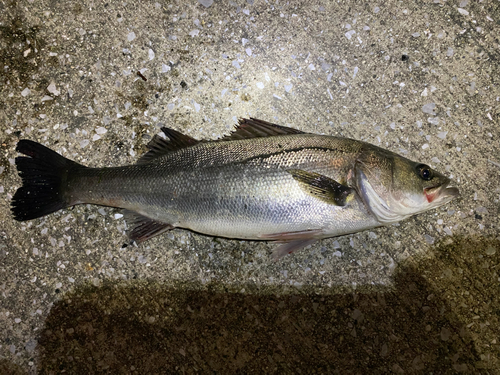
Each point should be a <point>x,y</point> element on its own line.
<point>323,187</point>
<point>246,129</point>
<point>253,128</point>
<point>160,146</point>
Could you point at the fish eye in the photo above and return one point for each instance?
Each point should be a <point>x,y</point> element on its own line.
<point>424,171</point>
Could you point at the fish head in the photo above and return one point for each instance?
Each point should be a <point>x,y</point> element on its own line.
<point>395,188</point>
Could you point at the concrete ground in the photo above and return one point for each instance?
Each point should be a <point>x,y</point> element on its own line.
<point>418,78</point>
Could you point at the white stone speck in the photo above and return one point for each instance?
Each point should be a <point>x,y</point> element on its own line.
<point>25,92</point>
<point>490,250</point>
<point>482,210</point>
<point>376,10</point>
<point>349,34</point>
<point>311,67</point>
<point>329,93</point>
<point>433,120</point>
<point>288,88</point>
<point>463,12</point>
<point>47,98</point>
<point>248,51</point>
<point>428,239</point>
<point>196,107</point>
<point>425,92</point>
<point>101,130</point>
<point>165,68</point>
<point>17,320</point>
<point>151,54</point>
<point>71,280</point>
<point>277,97</point>
<point>415,35</point>
<point>442,135</point>
<point>450,52</point>
<point>206,3</point>
<point>429,108</point>
<point>52,89</point>
<point>260,85</point>
<point>96,137</point>
<point>194,33</point>
<point>131,36</point>
<point>118,216</point>
<point>425,146</point>
<point>84,143</point>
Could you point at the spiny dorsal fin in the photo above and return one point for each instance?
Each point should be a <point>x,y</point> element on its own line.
<point>143,228</point>
<point>160,146</point>
<point>253,128</point>
<point>322,187</point>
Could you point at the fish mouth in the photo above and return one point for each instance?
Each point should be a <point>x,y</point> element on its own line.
<point>441,193</point>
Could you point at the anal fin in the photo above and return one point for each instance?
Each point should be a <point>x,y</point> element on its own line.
<point>292,241</point>
<point>289,247</point>
<point>142,228</point>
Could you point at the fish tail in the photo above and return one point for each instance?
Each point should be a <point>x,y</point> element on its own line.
<point>44,174</point>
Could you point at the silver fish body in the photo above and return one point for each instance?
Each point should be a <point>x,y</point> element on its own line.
<point>264,182</point>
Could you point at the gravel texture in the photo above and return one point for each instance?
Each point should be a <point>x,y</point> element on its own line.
<point>96,80</point>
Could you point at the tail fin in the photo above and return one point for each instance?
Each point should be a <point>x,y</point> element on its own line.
<point>44,175</point>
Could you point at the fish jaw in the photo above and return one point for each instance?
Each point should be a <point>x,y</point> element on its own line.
<point>439,195</point>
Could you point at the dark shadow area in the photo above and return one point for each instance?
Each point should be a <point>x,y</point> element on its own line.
<point>9,368</point>
<point>147,328</point>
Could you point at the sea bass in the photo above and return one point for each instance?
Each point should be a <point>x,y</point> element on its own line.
<point>262,182</point>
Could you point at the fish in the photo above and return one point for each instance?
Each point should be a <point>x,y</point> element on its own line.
<point>262,182</point>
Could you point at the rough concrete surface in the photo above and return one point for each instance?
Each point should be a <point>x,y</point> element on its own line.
<point>418,78</point>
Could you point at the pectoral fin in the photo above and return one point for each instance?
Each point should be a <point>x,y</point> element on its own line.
<point>323,187</point>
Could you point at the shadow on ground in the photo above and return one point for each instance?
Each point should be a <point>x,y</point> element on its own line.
<point>146,328</point>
